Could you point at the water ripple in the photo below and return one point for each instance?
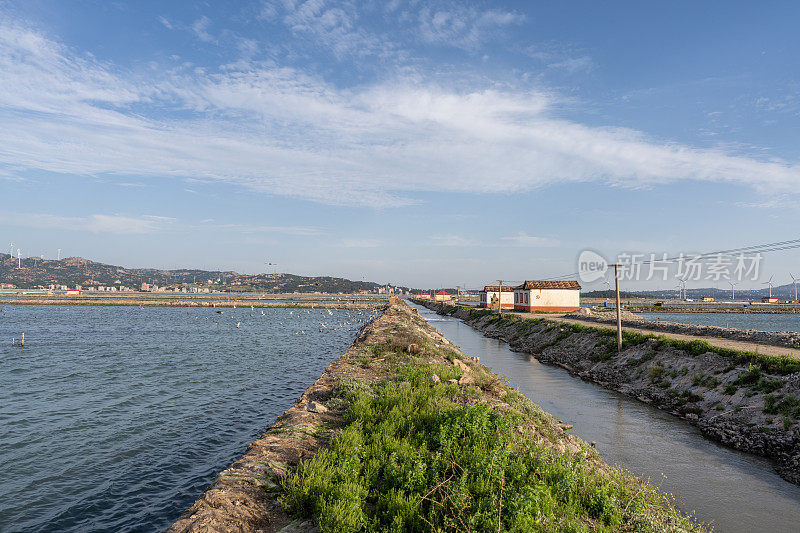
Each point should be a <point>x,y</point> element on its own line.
<point>117,418</point>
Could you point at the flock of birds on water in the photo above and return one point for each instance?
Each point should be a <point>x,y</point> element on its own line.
<point>303,321</point>
<point>324,320</point>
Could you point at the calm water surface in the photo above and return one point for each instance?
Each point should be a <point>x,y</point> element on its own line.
<point>117,418</point>
<point>760,322</point>
<point>737,492</point>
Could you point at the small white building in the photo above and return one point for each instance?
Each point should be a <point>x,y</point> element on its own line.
<point>562,296</point>
<point>489,295</point>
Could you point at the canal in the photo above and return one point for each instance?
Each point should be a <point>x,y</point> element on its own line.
<point>734,491</point>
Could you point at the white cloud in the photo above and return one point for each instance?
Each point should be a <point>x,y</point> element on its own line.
<point>284,132</point>
<point>523,239</point>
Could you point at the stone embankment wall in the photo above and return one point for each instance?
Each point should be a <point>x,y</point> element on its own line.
<point>745,405</point>
<point>773,338</point>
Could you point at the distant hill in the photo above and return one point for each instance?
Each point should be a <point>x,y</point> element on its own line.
<point>611,294</point>
<point>77,270</point>
<point>783,292</point>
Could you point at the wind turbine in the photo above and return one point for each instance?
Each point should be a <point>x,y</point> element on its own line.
<point>682,286</point>
<point>733,291</point>
<point>769,282</point>
<point>11,253</point>
<point>794,282</point>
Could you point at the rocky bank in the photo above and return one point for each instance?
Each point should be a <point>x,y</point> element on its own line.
<point>745,404</point>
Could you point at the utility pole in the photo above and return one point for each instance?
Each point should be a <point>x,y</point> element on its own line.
<point>500,297</point>
<point>619,308</point>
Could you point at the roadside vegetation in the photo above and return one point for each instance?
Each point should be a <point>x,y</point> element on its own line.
<point>768,363</point>
<point>434,442</point>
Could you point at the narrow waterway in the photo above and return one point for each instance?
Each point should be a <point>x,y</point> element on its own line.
<point>732,490</point>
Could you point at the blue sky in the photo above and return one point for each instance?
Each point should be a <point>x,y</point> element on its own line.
<point>419,143</point>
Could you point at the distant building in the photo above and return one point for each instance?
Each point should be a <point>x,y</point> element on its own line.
<point>708,298</point>
<point>442,296</point>
<point>489,295</point>
<point>562,296</point>
<point>423,296</point>
<point>770,300</point>
<point>73,292</point>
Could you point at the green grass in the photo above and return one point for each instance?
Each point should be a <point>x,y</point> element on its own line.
<point>412,457</point>
<point>788,407</point>
<point>704,380</point>
<point>769,363</point>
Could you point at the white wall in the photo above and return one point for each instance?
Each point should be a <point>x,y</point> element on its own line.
<point>554,298</point>
<point>507,299</point>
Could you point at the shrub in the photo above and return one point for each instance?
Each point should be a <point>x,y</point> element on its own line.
<point>730,389</point>
<point>655,372</point>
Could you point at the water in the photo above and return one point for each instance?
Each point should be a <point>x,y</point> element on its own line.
<point>761,322</point>
<point>117,418</point>
<point>735,491</point>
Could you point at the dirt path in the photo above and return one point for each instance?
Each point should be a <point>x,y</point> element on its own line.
<point>764,349</point>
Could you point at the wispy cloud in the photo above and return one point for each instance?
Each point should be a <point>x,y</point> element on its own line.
<point>359,243</point>
<point>98,223</point>
<point>284,230</point>
<point>332,25</point>
<point>165,22</point>
<point>200,29</point>
<point>464,27</point>
<point>523,239</point>
<point>453,240</point>
<point>282,131</point>
<point>560,56</point>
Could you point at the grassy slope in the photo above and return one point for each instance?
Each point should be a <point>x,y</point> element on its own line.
<point>417,453</point>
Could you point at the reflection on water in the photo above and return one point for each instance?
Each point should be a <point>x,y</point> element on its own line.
<point>760,322</point>
<point>117,418</point>
<point>734,490</point>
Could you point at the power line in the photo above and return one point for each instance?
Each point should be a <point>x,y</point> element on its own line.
<point>756,248</point>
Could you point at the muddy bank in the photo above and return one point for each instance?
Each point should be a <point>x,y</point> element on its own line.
<point>786,339</point>
<point>750,406</point>
<point>399,357</point>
